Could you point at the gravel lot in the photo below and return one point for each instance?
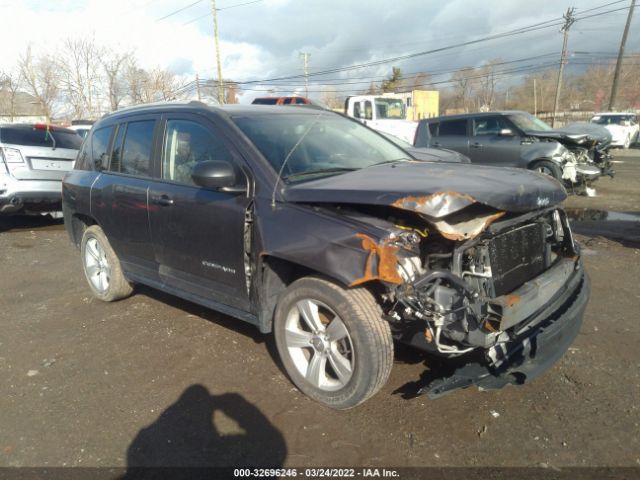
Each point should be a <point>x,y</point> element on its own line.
<point>154,380</point>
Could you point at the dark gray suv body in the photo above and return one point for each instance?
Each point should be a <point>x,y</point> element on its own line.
<point>315,228</point>
<point>516,139</point>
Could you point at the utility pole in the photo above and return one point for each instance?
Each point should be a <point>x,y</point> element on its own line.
<point>305,58</point>
<point>535,98</point>
<point>616,75</point>
<point>198,87</point>
<point>214,10</point>
<point>568,21</point>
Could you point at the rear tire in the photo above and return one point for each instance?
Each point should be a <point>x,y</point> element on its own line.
<point>333,342</point>
<point>102,267</point>
<point>548,168</point>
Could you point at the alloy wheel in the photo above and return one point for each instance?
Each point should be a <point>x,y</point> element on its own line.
<point>97,266</point>
<point>319,345</point>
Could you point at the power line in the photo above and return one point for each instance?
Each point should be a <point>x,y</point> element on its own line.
<point>220,9</point>
<point>179,10</point>
<point>530,28</point>
<point>601,6</point>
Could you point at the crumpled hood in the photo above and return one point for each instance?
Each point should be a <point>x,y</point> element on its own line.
<point>575,133</point>
<point>433,189</point>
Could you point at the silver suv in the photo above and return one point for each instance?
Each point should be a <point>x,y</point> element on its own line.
<point>33,160</point>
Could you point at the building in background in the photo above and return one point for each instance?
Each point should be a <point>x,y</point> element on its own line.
<point>20,107</point>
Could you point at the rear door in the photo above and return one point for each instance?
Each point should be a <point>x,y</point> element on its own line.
<point>451,134</point>
<point>489,147</point>
<point>198,233</point>
<point>119,195</point>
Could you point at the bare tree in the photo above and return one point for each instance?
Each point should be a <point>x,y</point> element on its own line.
<point>485,85</point>
<point>463,86</point>
<point>9,86</point>
<point>149,86</point>
<point>114,65</point>
<point>162,85</point>
<point>41,78</point>
<point>79,67</point>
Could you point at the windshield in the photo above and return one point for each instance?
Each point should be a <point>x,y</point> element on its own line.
<point>390,108</point>
<point>612,119</point>
<point>527,122</point>
<point>328,144</point>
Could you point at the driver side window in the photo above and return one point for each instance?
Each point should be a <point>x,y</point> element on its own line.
<point>187,143</point>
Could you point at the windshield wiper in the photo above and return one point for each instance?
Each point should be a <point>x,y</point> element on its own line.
<point>318,172</point>
<point>395,160</point>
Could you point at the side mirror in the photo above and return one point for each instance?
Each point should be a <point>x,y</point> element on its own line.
<point>506,132</point>
<point>217,175</point>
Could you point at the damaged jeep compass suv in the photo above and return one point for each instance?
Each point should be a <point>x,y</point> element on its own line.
<point>319,230</point>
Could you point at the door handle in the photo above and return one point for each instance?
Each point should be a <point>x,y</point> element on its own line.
<point>476,145</point>
<point>436,144</point>
<point>163,200</point>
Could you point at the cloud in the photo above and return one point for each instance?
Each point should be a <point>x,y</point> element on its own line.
<point>263,40</point>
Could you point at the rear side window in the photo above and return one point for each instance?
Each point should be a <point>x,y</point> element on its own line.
<point>453,127</point>
<point>265,101</point>
<point>433,129</point>
<point>186,144</point>
<point>116,152</point>
<point>41,137</point>
<point>136,151</point>
<point>100,146</point>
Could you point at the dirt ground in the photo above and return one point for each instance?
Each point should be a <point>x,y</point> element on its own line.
<point>154,380</point>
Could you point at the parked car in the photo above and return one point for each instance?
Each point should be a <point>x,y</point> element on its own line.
<point>81,127</point>
<point>281,101</point>
<point>518,139</point>
<point>33,160</point>
<point>427,154</point>
<point>385,113</point>
<point>323,233</point>
<point>622,126</point>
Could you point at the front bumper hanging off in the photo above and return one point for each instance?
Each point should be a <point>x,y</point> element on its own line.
<point>533,350</point>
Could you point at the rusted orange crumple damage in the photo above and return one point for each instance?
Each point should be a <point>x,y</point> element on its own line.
<point>436,205</point>
<point>510,300</point>
<point>387,261</point>
<point>466,230</point>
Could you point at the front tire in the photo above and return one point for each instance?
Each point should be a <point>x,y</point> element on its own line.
<point>548,168</point>
<point>333,342</point>
<point>102,267</point>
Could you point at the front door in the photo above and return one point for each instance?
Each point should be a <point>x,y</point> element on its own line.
<point>198,233</point>
<point>488,146</point>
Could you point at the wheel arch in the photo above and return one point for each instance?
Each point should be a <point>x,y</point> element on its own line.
<point>278,273</point>
<point>79,223</point>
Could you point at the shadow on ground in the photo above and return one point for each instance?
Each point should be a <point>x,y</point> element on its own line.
<point>29,222</point>
<point>201,431</point>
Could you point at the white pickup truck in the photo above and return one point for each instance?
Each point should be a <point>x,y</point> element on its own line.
<point>386,113</point>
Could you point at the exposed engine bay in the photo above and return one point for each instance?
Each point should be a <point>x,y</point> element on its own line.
<point>460,294</point>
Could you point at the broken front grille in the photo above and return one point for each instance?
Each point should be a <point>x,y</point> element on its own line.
<point>516,257</point>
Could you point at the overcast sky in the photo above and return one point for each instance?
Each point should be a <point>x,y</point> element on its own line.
<point>263,39</point>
